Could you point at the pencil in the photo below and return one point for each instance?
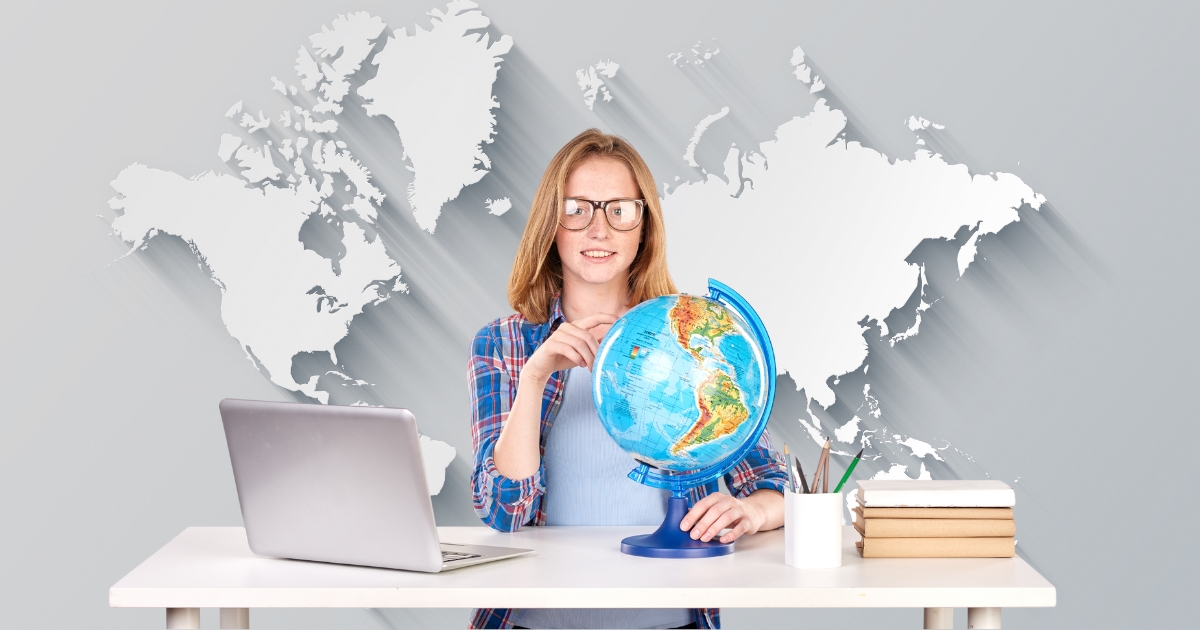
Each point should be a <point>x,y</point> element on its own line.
<point>791,478</point>
<point>825,467</point>
<point>849,469</point>
<point>800,470</point>
<point>825,477</point>
<point>822,471</point>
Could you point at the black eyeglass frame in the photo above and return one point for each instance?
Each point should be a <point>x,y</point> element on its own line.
<point>603,207</point>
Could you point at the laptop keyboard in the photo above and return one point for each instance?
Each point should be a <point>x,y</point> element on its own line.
<point>450,556</point>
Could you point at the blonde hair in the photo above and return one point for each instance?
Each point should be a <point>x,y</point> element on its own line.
<point>537,270</point>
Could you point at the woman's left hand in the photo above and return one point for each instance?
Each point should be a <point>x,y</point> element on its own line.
<point>717,511</point>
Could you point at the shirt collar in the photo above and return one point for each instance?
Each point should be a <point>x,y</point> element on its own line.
<point>556,312</point>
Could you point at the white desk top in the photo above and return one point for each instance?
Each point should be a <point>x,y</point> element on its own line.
<point>574,567</point>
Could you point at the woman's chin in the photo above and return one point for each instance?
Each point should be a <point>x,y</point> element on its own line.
<point>598,274</point>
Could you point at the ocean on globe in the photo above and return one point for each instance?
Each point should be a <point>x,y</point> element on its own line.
<point>678,382</point>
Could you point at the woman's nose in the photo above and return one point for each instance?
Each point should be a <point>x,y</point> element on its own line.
<point>600,227</point>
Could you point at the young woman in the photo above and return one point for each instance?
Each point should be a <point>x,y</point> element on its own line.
<point>594,247</point>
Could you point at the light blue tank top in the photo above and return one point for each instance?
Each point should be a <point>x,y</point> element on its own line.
<point>587,484</point>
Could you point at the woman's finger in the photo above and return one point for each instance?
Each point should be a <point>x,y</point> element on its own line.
<point>577,359</point>
<point>736,532</point>
<point>566,330</point>
<point>722,522</point>
<point>585,352</point>
<point>584,347</point>
<point>568,352</point>
<point>600,331</point>
<point>709,518</point>
<point>697,512</point>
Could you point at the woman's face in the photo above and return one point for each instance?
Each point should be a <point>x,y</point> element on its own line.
<point>598,254</point>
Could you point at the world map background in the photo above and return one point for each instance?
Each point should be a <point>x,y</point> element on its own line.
<point>987,374</point>
<point>299,252</point>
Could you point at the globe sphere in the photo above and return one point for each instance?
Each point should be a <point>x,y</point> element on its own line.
<point>680,383</point>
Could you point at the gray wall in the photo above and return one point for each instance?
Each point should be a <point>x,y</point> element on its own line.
<point>1063,361</point>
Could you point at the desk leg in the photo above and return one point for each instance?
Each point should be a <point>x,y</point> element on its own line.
<point>939,619</point>
<point>235,619</point>
<point>183,619</point>
<point>983,617</point>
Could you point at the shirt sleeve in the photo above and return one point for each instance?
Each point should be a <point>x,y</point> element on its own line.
<point>502,503</point>
<point>763,468</point>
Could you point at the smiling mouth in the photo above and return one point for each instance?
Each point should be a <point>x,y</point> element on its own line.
<point>595,253</point>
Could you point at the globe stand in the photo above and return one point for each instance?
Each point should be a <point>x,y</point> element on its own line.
<point>668,541</point>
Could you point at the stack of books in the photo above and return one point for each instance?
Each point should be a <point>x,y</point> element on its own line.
<point>935,519</point>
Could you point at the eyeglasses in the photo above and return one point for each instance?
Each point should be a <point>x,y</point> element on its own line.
<point>622,214</point>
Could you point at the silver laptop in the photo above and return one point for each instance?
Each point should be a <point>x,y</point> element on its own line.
<point>338,484</point>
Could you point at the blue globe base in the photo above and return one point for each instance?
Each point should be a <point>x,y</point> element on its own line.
<point>668,541</point>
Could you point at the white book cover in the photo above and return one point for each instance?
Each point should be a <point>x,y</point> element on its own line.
<point>928,493</point>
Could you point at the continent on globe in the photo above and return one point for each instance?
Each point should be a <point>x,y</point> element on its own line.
<point>721,412</point>
<point>691,317</point>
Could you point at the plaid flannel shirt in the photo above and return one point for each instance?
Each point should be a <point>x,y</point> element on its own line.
<point>498,353</point>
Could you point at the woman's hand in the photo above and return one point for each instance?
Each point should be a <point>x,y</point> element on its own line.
<point>574,344</point>
<point>762,510</point>
<point>517,454</point>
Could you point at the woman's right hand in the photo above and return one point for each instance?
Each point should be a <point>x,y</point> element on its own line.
<point>574,344</point>
<point>517,453</point>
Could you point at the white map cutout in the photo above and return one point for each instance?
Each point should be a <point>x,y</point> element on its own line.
<point>697,55</point>
<point>351,36</point>
<point>437,456</point>
<point>498,207</point>
<point>279,299</point>
<point>689,154</point>
<point>592,85</point>
<point>436,86</point>
<point>822,230</point>
<point>804,73</point>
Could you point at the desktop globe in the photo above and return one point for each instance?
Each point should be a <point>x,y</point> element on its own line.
<point>680,382</point>
<point>684,384</point>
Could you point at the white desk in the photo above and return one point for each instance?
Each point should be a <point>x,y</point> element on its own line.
<point>574,567</point>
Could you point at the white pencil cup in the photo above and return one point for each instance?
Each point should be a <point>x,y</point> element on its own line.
<point>812,530</point>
